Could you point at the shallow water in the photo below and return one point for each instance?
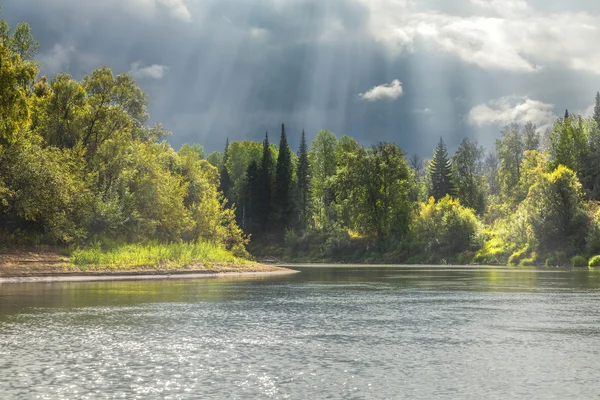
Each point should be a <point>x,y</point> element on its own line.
<point>360,332</point>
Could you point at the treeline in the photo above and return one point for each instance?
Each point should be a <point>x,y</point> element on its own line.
<point>79,165</point>
<point>532,199</point>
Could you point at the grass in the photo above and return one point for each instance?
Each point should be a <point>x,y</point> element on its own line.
<point>158,256</point>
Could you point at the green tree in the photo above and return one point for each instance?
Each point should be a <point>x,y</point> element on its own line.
<point>265,186</point>
<point>440,172</point>
<point>531,137</point>
<point>556,212</point>
<point>467,174</point>
<point>225,180</point>
<point>378,185</point>
<point>510,154</point>
<point>322,161</point>
<point>444,228</point>
<point>283,183</point>
<point>303,178</point>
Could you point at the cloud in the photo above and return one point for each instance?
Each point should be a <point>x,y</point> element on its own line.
<point>178,9</point>
<point>58,58</point>
<point>503,7</point>
<point>424,111</point>
<point>154,71</point>
<point>387,91</point>
<point>508,109</point>
<point>519,38</point>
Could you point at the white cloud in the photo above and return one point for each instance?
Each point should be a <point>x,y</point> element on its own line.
<point>424,111</point>
<point>154,71</point>
<point>516,38</point>
<point>508,109</point>
<point>58,58</point>
<point>503,7</point>
<point>178,9</point>
<point>387,91</point>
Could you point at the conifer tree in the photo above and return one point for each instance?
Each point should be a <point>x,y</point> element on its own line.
<point>440,172</point>
<point>263,208</point>
<point>303,174</point>
<point>283,181</point>
<point>225,182</point>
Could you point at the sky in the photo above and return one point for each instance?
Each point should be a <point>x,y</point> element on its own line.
<point>403,71</point>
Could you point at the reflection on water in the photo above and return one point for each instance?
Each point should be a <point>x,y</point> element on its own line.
<point>358,332</point>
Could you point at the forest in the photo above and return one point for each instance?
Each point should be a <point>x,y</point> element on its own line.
<point>80,167</point>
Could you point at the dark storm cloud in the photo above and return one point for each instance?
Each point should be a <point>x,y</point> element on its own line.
<point>229,68</point>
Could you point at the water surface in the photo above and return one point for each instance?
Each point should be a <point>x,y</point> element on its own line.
<point>327,332</point>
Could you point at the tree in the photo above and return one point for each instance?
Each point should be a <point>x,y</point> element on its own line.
<point>510,153</point>
<point>444,228</point>
<point>379,188</point>
<point>440,172</point>
<point>17,74</point>
<point>597,109</point>
<point>303,178</point>
<point>467,174</point>
<point>265,184</point>
<point>225,180</point>
<point>556,212</point>
<point>570,146</point>
<point>491,166</point>
<point>283,182</point>
<point>322,161</point>
<point>252,198</point>
<point>531,137</point>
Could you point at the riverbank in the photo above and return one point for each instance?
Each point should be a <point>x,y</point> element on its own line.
<point>52,265</point>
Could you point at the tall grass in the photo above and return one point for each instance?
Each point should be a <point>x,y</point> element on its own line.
<point>155,255</point>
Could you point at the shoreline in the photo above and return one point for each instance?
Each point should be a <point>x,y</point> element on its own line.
<point>139,275</point>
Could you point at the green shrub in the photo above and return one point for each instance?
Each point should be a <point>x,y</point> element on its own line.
<point>156,255</point>
<point>516,257</point>
<point>465,258</point>
<point>594,261</point>
<point>529,262</point>
<point>491,253</point>
<point>551,262</point>
<point>445,228</point>
<point>579,261</point>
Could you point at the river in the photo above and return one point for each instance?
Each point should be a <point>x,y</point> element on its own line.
<point>327,332</point>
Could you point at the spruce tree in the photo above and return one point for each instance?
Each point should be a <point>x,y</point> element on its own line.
<point>283,181</point>
<point>263,208</point>
<point>440,172</point>
<point>225,182</point>
<point>303,174</point>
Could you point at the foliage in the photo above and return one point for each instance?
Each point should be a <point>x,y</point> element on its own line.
<point>594,261</point>
<point>445,228</point>
<point>282,200</point>
<point>467,175</point>
<point>579,261</point>
<point>154,255</point>
<point>440,173</point>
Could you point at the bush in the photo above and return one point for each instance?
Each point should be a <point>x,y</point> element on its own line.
<point>551,262</point>
<point>445,228</point>
<point>491,253</point>
<point>516,257</point>
<point>579,261</point>
<point>594,261</point>
<point>529,262</point>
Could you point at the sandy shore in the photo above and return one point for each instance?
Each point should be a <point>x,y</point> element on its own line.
<point>138,276</point>
<point>50,266</point>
